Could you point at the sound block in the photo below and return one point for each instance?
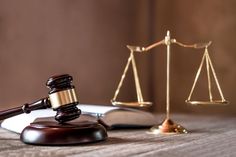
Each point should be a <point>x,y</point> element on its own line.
<point>71,133</point>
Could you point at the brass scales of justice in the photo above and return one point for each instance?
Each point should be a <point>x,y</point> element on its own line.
<point>169,126</point>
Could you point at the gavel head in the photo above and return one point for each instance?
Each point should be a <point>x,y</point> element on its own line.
<point>63,98</point>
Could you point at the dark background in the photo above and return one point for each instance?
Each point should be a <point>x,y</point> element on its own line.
<point>88,38</point>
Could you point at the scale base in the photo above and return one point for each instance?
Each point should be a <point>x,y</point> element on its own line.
<point>168,127</point>
<point>52,133</point>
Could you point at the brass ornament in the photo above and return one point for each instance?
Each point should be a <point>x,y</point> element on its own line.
<point>64,97</point>
<point>168,126</point>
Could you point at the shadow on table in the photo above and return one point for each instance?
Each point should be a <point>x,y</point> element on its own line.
<point>202,130</point>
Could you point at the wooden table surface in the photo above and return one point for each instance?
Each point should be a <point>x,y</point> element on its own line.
<point>209,136</point>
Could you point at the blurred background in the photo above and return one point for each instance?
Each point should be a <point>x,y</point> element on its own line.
<point>88,39</point>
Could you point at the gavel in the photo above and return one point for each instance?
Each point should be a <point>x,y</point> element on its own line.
<point>61,98</point>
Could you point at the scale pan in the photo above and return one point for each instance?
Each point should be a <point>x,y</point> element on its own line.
<point>213,102</point>
<point>132,104</point>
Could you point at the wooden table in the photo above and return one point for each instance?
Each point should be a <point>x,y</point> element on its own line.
<point>209,136</point>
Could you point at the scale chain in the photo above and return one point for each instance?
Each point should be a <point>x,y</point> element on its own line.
<point>197,76</point>
<point>136,78</point>
<point>208,74</point>
<point>215,77</point>
<point>123,76</point>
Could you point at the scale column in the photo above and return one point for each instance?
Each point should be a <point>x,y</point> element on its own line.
<point>168,42</point>
<point>168,126</point>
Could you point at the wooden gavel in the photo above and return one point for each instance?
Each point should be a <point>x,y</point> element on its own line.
<point>62,98</point>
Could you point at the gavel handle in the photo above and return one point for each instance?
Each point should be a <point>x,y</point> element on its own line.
<point>26,108</point>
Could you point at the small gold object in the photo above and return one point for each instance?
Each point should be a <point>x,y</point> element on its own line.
<point>169,126</point>
<point>140,102</point>
<point>61,98</point>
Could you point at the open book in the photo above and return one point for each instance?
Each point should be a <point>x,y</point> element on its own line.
<point>110,116</point>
